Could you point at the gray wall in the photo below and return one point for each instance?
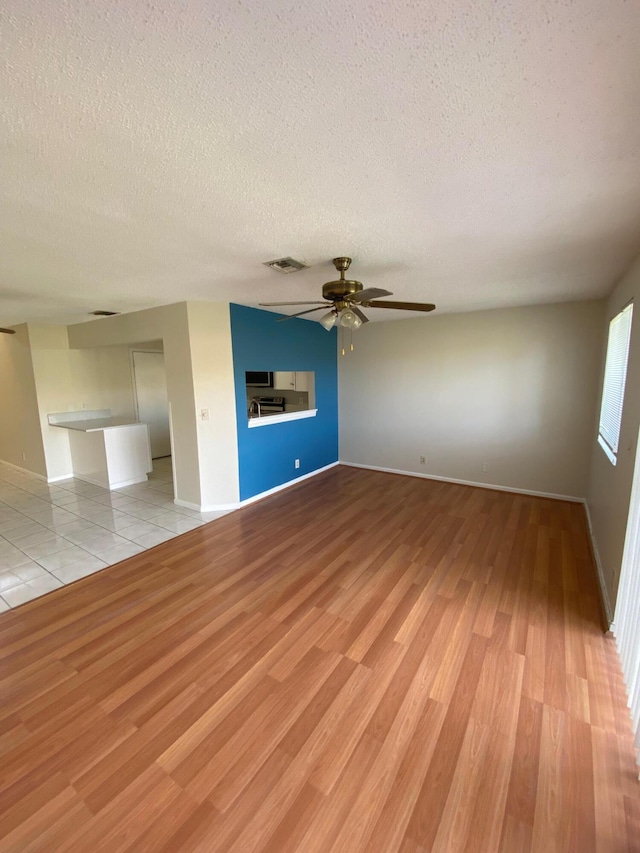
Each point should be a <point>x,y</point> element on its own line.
<point>515,388</point>
<point>609,489</point>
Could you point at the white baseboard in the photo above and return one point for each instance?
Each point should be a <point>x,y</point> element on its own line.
<point>34,474</point>
<point>601,582</point>
<point>207,507</point>
<point>286,485</point>
<point>187,504</point>
<point>254,498</point>
<point>22,470</point>
<point>495,488</point>
<point>113,486</point>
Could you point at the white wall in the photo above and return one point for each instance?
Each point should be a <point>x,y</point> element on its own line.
<point>103,379</point>
<point>515,388</point>
<point>72,380</point>
<point>609,490</point>
<point>20,436</point>
<point>212,365</point>
<point>197,353</point>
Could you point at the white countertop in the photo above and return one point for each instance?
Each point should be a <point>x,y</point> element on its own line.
<point>277,418</point>
<point>96,424</point>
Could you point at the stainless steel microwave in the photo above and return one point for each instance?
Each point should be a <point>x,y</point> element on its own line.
<point>259,378</point>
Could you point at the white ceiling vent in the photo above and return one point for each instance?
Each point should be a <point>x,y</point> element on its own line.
<point>286,265</point>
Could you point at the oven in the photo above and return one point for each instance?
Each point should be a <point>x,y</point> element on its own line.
<point>271,405</point>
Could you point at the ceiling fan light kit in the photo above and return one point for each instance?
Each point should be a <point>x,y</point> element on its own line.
<point>345,297</point>
<point>329,320</point>
<point>349,319</point>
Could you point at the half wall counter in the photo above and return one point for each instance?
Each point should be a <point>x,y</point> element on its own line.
<point>106,451</point>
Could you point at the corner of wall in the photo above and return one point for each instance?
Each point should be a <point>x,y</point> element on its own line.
<point>214,412</point>
<point>21,443</point>
<point>52,377</point>
<point>602,584</point>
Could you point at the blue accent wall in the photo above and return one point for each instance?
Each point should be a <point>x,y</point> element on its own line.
<point>266,454</point>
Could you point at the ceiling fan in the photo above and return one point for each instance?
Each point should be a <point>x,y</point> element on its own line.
<point>346,297</point>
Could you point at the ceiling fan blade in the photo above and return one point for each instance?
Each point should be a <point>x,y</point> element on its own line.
<point>300,313</point>
<point>271,304</point>
<point>359,313</point>
<point>402,306</point>
<point>369,293</point>
<point>8,331</point>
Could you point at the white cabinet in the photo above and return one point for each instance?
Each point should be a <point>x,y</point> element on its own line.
<point>291,380</point>
<point>284,379</point>
<point>302,381</point>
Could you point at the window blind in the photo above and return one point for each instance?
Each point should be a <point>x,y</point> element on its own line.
<point>615,375</point>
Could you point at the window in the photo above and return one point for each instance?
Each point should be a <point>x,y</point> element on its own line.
<point>615,375</point>
<point>288,394</point>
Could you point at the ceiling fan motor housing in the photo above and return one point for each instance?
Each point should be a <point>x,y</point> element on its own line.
<point>341,288</point>
<point>338,290</point>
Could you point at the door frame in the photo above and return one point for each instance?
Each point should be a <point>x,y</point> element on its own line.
<point>134,386</point>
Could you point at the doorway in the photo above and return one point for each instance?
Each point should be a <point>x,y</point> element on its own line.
<point>152,402</point>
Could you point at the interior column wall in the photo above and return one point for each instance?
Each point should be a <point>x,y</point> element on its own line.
<point>20,435</point>
<point>214,398</point>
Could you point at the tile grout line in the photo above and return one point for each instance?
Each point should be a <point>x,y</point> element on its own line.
<point>15,497</point>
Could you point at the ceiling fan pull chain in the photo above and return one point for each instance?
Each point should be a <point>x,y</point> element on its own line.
<point>342,340</point>
<point>351,339</point>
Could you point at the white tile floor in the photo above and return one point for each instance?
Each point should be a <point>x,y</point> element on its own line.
<point>51,535</point>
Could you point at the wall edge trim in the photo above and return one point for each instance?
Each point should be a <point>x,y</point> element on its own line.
<point>187,504</point>
<point>492,487</point>
<point>604,595</point>
<point>23,470</point>
<point>254,498</point>
<point>286,485</point>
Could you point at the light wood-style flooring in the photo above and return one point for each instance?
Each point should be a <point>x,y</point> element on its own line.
<point>364,662</point>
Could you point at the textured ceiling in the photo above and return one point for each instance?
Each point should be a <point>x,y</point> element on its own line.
<point>476,154</point>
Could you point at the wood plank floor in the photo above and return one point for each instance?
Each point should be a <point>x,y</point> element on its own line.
<point>365,662</point>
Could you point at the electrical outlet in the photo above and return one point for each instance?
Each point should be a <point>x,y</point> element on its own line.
<point>297,463</point>
<point>485,467</point>
<point>85,406</point>
<point>423,460</point>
